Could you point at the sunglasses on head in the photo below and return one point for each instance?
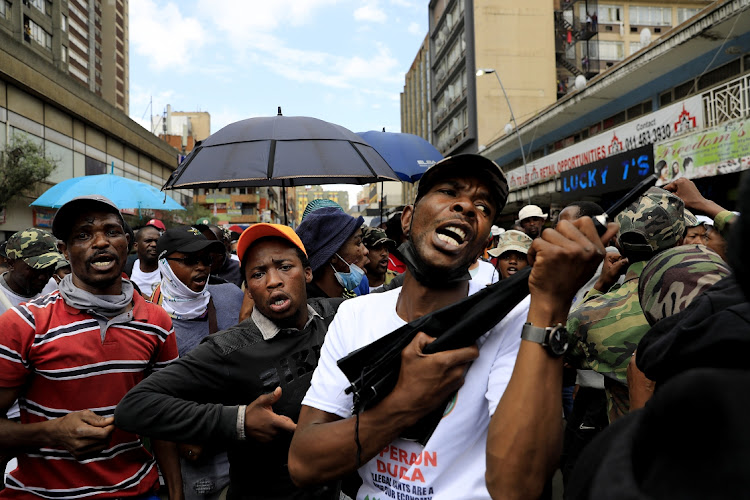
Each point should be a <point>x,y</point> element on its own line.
<point>193,260</point>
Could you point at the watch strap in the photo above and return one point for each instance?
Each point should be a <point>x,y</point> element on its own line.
<point>534,333</point>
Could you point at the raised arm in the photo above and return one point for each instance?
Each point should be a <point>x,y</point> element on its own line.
<point>177,403</point>
<point>324,446</point>
<point>525,433</point>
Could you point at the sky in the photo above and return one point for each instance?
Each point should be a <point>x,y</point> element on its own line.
<point>342,61</point>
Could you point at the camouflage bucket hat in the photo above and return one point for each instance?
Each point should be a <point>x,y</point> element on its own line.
<point>35,247</point>
<point>372,236</point>
<point>658,216</point>
<point>690,219</point>
<point>511,240</point>
<point>671,280</point>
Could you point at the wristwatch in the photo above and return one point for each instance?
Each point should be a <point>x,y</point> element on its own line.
<point>553,338</point>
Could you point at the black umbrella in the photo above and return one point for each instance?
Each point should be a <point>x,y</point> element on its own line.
<point>280,151</point>
<point>373,369</point>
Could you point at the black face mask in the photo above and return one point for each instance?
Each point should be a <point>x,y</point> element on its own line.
<point>427,275</point>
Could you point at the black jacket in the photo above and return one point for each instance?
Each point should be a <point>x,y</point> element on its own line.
<point>195,399</point>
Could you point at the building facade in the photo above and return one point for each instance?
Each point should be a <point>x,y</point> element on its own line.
<point>87,39</point>
<point>685,92</point>
<point>306,194</point>
<point>81,131</point>
<point>468,113</point>
<point>591,36</point>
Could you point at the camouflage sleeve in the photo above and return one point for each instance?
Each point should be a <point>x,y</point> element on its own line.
<point>592,293</point>
<point>575,355</point>
<point>723,221</point>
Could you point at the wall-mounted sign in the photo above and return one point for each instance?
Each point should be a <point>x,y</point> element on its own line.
<point>715,151</point>
<point>42,217</point>
<point>615,173</point>
<point>656,127</point>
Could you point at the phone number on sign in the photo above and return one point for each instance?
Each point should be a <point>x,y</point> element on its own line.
<point>660,133</point>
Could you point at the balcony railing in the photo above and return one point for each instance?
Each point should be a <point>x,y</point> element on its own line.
<point>727,102</point>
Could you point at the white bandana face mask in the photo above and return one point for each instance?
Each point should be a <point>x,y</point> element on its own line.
<point>178,300</point>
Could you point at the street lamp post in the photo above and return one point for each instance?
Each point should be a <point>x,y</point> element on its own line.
<point>485,71</point>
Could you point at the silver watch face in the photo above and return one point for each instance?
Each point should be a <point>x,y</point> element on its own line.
<point>557,342</point>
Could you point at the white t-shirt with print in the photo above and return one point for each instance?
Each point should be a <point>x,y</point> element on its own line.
<point>147,282</point>
<point>484,274</point>
<point>452,464</point>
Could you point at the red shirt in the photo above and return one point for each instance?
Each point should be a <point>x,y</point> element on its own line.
<point>395,264</point>
<point>59,352</point>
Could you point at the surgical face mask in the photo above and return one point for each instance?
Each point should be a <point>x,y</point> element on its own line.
<point>351,280</point>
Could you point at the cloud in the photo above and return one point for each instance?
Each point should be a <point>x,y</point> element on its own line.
<point>163,34</point>
<point>370,12</point>
<point>243,20</point>
<point>415,29</point>
<point>411,4</point>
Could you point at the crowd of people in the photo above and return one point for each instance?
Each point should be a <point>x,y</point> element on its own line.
<point>176,362</point>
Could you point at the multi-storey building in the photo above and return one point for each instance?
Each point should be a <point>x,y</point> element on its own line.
<point>84,133</point>
<point>678,106</point>
<point>416,116</point>
<point>306,194</point>
<point>591,36</point>
<point>514,39</point>
<point>536,49</point>
<point>88,39</point>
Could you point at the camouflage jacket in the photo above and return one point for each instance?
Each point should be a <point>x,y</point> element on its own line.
<point>606,329</point>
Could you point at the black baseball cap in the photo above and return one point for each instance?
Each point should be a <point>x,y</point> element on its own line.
<point>185,239</point>
<point>63,221</point>
<point>468,165</point>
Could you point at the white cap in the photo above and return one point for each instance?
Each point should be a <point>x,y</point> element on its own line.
<point>496,231</point>
<point>530,211</point>
<point>702,219</point>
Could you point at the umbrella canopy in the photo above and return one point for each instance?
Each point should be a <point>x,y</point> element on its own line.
<point>238,228</point>
<point>125,193</point>
<point>408,155</point>
<point>281,151</point>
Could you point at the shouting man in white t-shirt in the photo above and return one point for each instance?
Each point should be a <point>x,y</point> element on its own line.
<point>145,272</point>
<point>458,199</point>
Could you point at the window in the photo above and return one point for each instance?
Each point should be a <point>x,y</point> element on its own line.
<point>665,98</point>
<point>38,34</point>
<point>78,73</point>
<point>77,12</point>
<point>4,9</point>
<point>40,5</point>
<point>80,60</point>
<point>63,22</point>
<point>95,167</point>
<point>64,54</point>
<point>606,14</point>
<point>78,28</point>
<point>635,47</point>
<point>608,51</point>
<point>80,45</point>
<point>684,14</point>
<point>650,16</point>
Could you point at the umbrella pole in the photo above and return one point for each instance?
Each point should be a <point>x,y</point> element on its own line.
<point>382,189</point>
<point>283,193</point>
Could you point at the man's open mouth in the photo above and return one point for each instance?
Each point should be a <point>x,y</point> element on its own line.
<point>103,261</point>
<point>452,235</point>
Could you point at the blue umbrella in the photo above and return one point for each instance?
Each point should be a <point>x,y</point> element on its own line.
<point>408,155</point>
<point>125,193</point>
